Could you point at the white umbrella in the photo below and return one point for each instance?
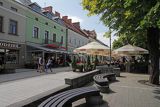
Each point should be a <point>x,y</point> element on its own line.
<point>130,50</point>
<point>94,48</point>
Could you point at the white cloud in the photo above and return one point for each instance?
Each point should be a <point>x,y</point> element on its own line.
<point>104,39</point>
<point>75,19</point>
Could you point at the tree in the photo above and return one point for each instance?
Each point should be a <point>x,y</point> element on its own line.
<point>131,16</point>
<point>138,39</point>
<point>108,35</point>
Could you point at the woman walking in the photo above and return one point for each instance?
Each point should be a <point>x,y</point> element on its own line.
<point>49,64</point>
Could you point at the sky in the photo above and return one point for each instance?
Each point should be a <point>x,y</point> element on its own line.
<point>74,10</point>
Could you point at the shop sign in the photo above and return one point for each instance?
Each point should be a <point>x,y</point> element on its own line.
<point>9,45</point>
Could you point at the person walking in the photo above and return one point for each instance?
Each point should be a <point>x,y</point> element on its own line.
<point>40,65</point>
<point>49,64</point>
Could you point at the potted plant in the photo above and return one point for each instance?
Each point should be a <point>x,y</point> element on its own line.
<point>74,64</point>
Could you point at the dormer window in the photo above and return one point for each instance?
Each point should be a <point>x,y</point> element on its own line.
<point>14,9</point>
<point>35,7</point>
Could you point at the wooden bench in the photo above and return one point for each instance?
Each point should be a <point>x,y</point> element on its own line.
<point>102,81</point>
<point>65,99</point>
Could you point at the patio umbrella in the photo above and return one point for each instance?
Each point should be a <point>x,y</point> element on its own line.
<point>130,50</point>
<point>93,48</point>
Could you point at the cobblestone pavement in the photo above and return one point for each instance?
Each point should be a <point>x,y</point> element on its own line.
<point>128,92</point>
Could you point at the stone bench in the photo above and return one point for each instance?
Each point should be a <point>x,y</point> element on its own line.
<point>102,81</point>
<point>65,99</point>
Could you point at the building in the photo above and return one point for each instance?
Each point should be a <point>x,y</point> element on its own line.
<point>45,32</point>
<point>12,34</point>
<point>92,35</point>
<point>76,37</point>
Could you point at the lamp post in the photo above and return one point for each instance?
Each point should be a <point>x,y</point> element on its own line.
<point>110,49</point>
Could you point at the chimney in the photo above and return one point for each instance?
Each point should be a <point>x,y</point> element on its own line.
<point>57,14</point>
<point>69,21</point>
<point>65,18</point>
<point>77,24</point>
<point>48,9</point>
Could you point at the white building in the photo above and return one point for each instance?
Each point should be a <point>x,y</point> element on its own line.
<point>12,34</point>
<point>76,37</point>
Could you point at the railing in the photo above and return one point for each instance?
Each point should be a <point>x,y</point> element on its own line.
<point>47,41</point>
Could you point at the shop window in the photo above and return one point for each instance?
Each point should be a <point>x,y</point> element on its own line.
<point>54,37</point>
<point>13,27</point>
<point>35,32</point>
<point>1,24</point>
<point>14,9</point>
<point>12,56</point>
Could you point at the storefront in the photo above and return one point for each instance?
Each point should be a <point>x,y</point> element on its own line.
<point>34,51</point>
<point>11,55</point>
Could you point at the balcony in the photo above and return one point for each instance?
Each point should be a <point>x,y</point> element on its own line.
<point>51,43</point>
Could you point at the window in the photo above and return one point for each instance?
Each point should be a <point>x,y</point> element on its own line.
<point>54,37</point>
<point>62,39</point>
<point>55,27</point>
<point>14,9</point>
<point>70,40</point>
<point>1,23</point>
<point>35,32</point>
<point>12,56</point>
<point>79,43</point>
<point>75,41</point>
<point>46,35</point>
<point>36,19</point>
<point>46,23</point>
<point>62,30</point>
<point>1,3</point>
<point>13,27</point>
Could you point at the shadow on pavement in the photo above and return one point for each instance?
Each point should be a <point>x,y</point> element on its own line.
<point>122,76</point>
<point>104,104</point>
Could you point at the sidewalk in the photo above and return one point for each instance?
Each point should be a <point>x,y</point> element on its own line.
<point>28,73</point>
<point>129,92</point>
<point>12,92</point>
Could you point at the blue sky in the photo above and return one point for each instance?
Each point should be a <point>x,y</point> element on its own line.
<point>74,10</point>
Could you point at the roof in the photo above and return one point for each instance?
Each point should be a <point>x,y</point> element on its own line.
<point>74,28</point>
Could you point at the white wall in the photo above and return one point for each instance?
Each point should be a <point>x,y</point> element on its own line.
<point>74,36</point>
<point>7,14</point>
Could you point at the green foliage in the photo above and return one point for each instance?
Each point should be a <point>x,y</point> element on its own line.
<point>125,15</point>
<point>88,60</point>
<point>107,34</point>
<point>96,61</point>
<point>137,39</point>
<point>74,63</point>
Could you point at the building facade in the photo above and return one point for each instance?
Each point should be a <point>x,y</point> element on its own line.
<point>12,34</point>
<point>45,33</point>
<point>76,37</point>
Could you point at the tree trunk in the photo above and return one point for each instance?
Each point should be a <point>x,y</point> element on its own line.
<point>153,45</point>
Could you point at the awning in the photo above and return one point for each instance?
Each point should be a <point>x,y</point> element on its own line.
<point>40,47</point>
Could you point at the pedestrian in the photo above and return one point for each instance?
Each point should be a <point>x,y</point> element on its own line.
<point>49,64</point>
<point>40,65</point>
